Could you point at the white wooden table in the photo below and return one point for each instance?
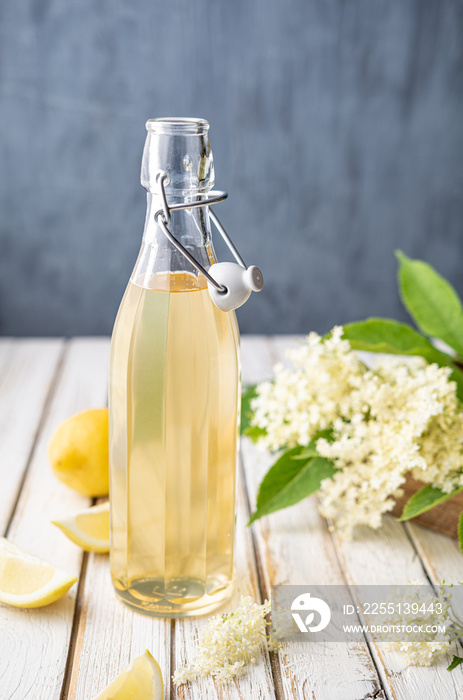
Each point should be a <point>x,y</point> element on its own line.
<point>73,648</point>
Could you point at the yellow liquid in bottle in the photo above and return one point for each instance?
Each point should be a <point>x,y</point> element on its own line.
<point>174,387</point>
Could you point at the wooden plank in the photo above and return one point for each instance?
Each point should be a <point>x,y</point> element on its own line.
<point>6,345</point>
<point>443,561</point>
<point>440,554</point>
<point>383,557</point>
<point>386,556</point>
<point>27,368</point>
<point>295,547</point>
<point>441,557</point>
<point>34,643</point>
<point>258,682</point>
<point>110,634</point>
<point>256,359</point>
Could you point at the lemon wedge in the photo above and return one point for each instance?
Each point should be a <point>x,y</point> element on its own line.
<point>88,528</point>
<point>27,581</point>
<point>142,680</point>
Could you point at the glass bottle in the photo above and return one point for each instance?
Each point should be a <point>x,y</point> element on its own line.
<point>173,400</point>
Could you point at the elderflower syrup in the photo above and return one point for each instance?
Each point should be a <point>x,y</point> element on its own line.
<point>173,399</point>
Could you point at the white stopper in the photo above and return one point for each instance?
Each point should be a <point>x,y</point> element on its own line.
<point>239,282</point>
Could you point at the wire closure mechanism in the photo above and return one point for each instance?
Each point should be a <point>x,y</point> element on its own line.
<point>162,217</point>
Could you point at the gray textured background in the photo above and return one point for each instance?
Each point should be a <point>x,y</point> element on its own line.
<point>337,127</point>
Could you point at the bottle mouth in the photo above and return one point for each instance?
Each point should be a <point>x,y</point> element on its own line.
<point>177,125</point>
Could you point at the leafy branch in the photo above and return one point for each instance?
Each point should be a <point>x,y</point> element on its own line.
<point>437,311</point>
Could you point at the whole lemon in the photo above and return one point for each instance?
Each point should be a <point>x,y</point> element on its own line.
<point>78,452</point>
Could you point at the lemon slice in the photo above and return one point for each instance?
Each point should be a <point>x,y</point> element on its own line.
<point>88,528</point>
<point>142,680</point>
<point>27,581</point>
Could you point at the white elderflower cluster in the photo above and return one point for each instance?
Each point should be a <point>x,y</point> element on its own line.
<point>428,628</point>
<point>229,644</point>
<point>401,416</point>
<point>302,401</point>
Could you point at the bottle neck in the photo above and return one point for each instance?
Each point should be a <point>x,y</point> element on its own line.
<point>179,148</point>
<point>159,256</point>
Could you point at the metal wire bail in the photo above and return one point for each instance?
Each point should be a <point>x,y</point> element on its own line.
<point>162,218</point>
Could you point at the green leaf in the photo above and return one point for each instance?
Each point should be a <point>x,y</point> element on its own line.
<point>307,453</point>
<point>246,411</point>
<point>388,336</point>
<point>288,481</point>
<point>460,531</point>
<point>254,432</point>
<point>456,661</point>
<point>431,301</point>
<point>425,499</point>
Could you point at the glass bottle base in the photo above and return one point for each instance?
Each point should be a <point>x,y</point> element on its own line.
<point>180,598</point>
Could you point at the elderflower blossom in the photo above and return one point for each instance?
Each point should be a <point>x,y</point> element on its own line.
<point>419,648</point>
<point>301,402</point>
<point>400,417</point>
<point>231,641</point>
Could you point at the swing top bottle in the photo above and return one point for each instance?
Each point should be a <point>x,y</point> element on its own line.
<point>173,399</point>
